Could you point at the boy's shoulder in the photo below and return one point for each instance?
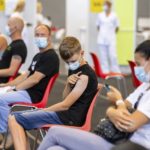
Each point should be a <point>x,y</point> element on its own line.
<point>86,69</point>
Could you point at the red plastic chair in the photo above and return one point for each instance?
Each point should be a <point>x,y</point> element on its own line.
<point>15,74</point>
<point>43,102</point>
<point>117,76</point>
<point>135,81</point>
<point>86,126</point>
<point>98,68</point>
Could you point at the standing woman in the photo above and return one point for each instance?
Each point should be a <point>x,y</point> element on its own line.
<point>61,138</point>
<point>108,25</point>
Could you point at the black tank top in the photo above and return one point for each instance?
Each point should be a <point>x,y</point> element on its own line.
<point>77,112</point>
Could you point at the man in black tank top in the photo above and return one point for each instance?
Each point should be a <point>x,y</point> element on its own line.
<point>15,53</point>
<point>81,86</point>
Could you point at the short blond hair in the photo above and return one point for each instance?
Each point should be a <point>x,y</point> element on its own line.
<point>68,47</point>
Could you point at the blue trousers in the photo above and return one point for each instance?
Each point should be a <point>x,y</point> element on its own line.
<point>36,118</point>
<point>63,138</point>
<point>7,99</point>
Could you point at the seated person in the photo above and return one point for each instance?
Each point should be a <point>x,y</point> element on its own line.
<point>30,86</point>
<point>80,89</point>
<point>16,52</point>
<point>61,138</point>
<point>3,44</point>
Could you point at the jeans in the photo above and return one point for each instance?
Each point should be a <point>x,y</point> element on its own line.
<point>63,138</point>
<point>36,118</point>
<point>7,99</point>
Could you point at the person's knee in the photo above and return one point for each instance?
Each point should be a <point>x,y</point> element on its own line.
<point>53,130</point>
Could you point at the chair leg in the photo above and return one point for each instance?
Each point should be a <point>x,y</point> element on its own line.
<point>125,87</point>
<point>42,134</point>
<point>36,139</point>
<point>39,132</point>
<point>119,86</point>
<point>5,139</point>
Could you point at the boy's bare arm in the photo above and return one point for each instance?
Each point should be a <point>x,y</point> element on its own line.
<point>71,81</point>
<point>73,96</point>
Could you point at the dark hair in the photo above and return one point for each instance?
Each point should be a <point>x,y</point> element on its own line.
<point>68,47</point>
<point>108,2</point>
<point>144,49</point>
<point>48,28</point>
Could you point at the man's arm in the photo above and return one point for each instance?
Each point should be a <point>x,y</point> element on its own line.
<point>74,95</point>
<point>16,81</point>
<point>30,81</point>
<point>15,62</point>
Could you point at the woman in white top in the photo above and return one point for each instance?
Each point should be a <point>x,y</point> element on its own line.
<point>138,122</point>
<point>107,24</point>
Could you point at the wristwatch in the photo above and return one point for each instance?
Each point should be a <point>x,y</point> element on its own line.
<point>120,101</point>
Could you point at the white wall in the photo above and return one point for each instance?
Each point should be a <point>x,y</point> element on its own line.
<point>56,10</point>
<point>77,16</point>
<point>81,23</point>
<point>29,16</point>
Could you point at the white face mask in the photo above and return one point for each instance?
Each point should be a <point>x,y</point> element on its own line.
<point>141,74</point>
<point>74,66</point>
<point>105,8</point>
<point>41,42</point>
<point>7,30</point>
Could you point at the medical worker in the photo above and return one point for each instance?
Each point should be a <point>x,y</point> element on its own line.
<point>108,25</point>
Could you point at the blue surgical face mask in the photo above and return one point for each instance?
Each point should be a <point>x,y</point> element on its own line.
<point>74,66</point>
<point>7,30</point>
<point>41,42</point>
<point>141,74</point>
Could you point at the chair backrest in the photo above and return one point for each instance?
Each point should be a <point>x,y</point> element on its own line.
<point>44,100</point>
<point>97,66</point>
<point>15,74</point>
<point>135,81</point>
<point>87,125</point>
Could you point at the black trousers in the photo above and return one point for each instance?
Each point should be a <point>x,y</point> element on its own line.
<point>128,146</point>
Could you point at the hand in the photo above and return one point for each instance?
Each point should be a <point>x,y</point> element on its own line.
<point>73,78</point>
<point>100,86</point>
<point>120,118</point>
<point>10,89</point>
<point>114,95</point>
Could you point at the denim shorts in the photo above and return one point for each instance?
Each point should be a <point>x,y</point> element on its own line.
<point>36,118</point>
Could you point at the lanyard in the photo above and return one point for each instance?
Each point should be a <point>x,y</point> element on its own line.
<point>140,97</point>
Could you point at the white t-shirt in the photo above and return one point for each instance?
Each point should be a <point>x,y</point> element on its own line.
<point>107,25</point>
<point>142,135</point>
